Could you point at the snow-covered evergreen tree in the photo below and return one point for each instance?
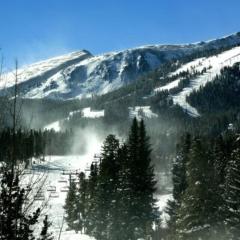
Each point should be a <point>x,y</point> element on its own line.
<point>107,187</point>
<point>179,180</point>
<point>71,208</point>
<point>196,216</point>
<point>142,183</point>
<point>232,197</point>
<point>45,235</point>
<point>14,222</point>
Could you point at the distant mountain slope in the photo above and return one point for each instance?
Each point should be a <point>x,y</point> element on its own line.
<point>36,77</point>
<point>80,74</point>
<point>213,64</point>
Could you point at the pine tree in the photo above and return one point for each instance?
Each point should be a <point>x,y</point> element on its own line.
<point>196,215</point>
<point>220,161</point>
<point>141,179</point>
<point>71,208</point>
<point>106,190</point>
<point>179,182</point>
<point>14,223</point>
<point>147,181</point>
<point>232,197</point>
<point>92,206</point>
<point>121,215</point>
<point>45,235</point>
<point>82,204</point>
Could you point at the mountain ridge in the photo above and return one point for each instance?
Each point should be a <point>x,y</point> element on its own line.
<point>80,74</point>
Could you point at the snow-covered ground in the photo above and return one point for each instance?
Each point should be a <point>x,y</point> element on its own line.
<point>71,235</point>
<point>56,187</point>
<point>53,126</point>
<point>141,111</point>
<point>213,65</point>
<point>86,113</point>
<point>58,183</point>
<point>162,203</point>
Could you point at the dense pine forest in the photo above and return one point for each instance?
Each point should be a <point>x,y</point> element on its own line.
<point>205,201</point>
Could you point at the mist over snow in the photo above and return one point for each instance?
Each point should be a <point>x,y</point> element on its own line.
<point>88,140</point>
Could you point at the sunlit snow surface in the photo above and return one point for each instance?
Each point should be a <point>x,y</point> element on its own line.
<point>53,167</point>
<point>86,113</point>
<point>161,204</point>
<point>216,63</point>
<point>141,112</point>
<point>37,69</point>
<point>53,126</point>
<point>71,235</point>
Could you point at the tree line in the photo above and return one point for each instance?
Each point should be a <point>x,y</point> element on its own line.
<point>30,144</point>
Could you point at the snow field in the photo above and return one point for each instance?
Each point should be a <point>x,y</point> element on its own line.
<point>52,169</point>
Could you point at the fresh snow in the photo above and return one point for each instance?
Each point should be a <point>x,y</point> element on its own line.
<point>71,235</point>
<point>53,126</point>
<point>141,111</point>
<point>161,204</point>
<point>214,65</point>
<point>88,113</point>
<point>37,69</point>
<point>52,167</point>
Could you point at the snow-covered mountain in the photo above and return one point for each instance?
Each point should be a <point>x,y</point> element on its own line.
<point>80,74</point>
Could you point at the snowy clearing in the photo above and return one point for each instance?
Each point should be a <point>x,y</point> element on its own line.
<point>86,113</point>
<point>141,111</point>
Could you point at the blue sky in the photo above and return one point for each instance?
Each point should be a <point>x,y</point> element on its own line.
<point>31,30</point>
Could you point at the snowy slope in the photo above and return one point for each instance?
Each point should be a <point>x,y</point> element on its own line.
<point>214,65</point>
<point>80,74</point>
<point>53,168</point>
<point>40,68</point>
